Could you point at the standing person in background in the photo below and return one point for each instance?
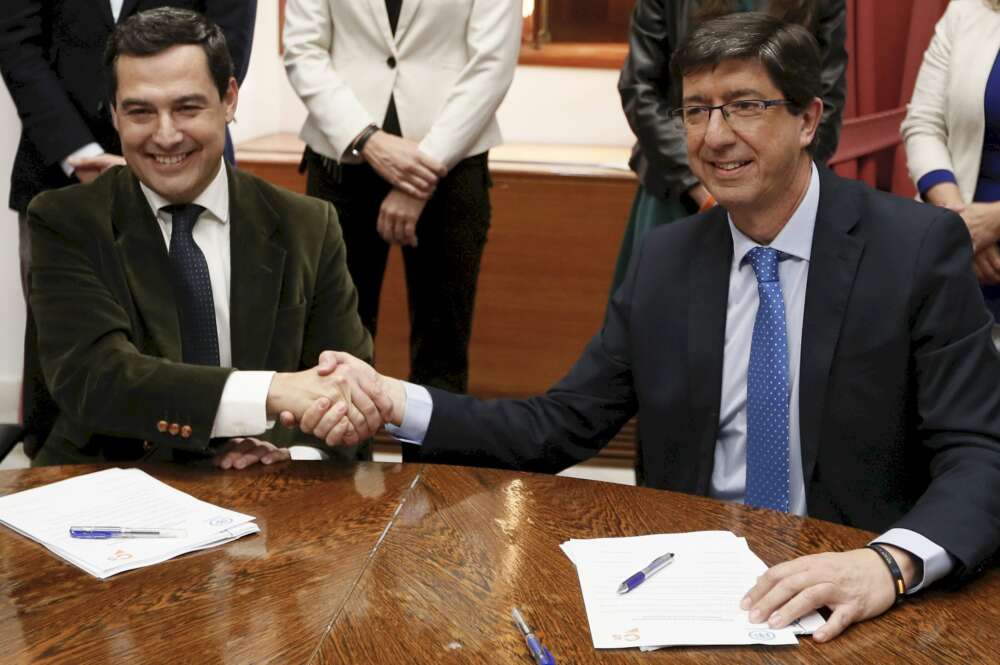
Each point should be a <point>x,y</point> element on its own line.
<point>51,61</point>
<point>402,102</point>
<point>952,131</point>
<point>668,190</point>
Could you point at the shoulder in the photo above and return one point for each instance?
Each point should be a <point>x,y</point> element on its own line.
<point>84,200</point>
<point>962,12</point>
<point>293,208</point>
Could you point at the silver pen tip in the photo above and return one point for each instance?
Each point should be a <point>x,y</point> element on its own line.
<point>622,589</point>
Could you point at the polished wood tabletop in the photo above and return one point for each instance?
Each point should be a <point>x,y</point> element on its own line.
<point>390,563</point>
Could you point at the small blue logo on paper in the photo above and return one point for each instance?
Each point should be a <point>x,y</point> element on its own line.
<point>222,520</point>
<point>761,635</point>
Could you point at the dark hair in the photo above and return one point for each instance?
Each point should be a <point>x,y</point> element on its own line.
<point>787,51</point>
<point>156,30</point>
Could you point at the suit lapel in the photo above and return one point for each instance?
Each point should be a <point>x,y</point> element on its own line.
<point>709,280</point>
<point>144,257</point>
<point>406,13</point>
<point>128,6</point>
<point>257,271</point>
<point>381,18</point>
<point>832,268</point>
<point>104,7</point>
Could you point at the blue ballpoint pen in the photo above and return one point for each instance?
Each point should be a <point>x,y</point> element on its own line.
<point>105,532</point>
<point>659,563</point>
<point>539,653</point>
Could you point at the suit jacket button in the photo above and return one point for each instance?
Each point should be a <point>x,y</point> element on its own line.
<point>391,61</point>
<point>162,426</point>
<point>173,429</point>
<point>186,432</point>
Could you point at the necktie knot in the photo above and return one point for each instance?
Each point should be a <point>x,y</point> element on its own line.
<point>183,216</point>
<point>764,261</point>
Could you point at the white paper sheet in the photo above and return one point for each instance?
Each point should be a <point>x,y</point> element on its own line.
<point>693,601</point>
<point>119,497</point>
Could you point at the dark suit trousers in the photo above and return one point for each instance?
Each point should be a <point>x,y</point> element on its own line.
<point>441,272</point>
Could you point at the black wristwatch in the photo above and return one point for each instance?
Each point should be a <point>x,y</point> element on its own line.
<point>359,143</point>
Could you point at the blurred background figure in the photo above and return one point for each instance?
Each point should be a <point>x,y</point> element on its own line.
<point>667,188</point>
<point>401,104</point>
<point>50,59</point>
<point>952,130</point>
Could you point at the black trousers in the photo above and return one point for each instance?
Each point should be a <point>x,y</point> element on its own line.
<point>441,272</point>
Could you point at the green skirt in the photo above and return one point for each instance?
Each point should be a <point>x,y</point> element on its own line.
<point>647,213</point>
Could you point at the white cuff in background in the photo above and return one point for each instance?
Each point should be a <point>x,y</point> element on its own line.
<point>416,415</point>
<point>243,407</point>
<point>937,562</point>
<point>89,150</point>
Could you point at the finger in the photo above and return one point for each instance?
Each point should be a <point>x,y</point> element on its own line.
<point>327,363</point>
<point>248,458</point>
<point>336,434</point>
<point>779,594</point>
<point>312,416</point>
<point>231,451</point>
<point>383,226</point>
<point>417,172</point>
<point>276,454</point>
<point>810,598</point>
<point>841,618</point>
<point>772,576</point>
<point>330,419</point>
<point>287,419</point>
<point>418,186</point>
<point>432,164</point>
<point>366,408</point>
<point>410,234</point>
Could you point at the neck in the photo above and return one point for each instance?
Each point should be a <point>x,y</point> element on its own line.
<point>762,225</point>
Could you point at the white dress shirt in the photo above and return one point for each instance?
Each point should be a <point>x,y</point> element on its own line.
<point>729,471</point>
<point>243,407</point>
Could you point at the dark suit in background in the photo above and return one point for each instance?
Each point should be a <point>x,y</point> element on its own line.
<point>109,337</point>
<point>899,410</point>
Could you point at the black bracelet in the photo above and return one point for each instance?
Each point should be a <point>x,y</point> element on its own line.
<point>897,574</point>
<point>359,143</point>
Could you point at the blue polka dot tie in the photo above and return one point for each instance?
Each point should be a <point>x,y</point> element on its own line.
<point>767,390</point>
<point>193,289</point>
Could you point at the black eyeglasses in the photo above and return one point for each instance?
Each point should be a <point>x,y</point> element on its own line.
<point>696,117</point>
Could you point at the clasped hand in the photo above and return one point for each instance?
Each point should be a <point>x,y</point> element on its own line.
<point>342,400</point>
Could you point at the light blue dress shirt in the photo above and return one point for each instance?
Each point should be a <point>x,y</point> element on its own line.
<point>729,472</point>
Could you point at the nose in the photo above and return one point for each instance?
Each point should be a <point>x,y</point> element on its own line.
<point>167,135</point>
<point>718,132</point>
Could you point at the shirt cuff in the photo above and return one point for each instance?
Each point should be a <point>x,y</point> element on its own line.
<point>932,178</point>
<point>243,406</point>
<point>416,415</point>
<point>936,561</point>
<point>89,150</point>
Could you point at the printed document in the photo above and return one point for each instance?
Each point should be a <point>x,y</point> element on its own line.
<point>119,497</point>
<point>693,601</point>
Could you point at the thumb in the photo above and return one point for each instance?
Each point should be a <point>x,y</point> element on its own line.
<point>327,363</point>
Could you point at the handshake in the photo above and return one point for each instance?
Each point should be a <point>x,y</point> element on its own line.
<point>342,400</point>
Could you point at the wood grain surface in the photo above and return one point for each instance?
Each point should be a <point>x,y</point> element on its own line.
<point>388,563</point>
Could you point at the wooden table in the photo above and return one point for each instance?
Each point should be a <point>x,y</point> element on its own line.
<point>388,563</point>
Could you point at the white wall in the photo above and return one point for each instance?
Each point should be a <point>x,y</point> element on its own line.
<point>11,301</point>
<point>544,105</point>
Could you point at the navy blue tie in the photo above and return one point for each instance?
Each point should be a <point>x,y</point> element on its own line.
<point>192,288</point>
<point>767,390</point>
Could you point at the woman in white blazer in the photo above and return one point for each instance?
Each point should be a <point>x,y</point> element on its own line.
<point>952,129</point>
<point>401,98</point>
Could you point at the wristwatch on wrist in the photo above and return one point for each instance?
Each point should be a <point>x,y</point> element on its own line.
<point>359,143</point>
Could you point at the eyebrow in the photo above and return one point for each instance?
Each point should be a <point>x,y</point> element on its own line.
<point>742,93</point>
<point>130,102</point>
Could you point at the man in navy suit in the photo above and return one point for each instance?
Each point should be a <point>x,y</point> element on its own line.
<point>811,346</point>
<point>51,60</point>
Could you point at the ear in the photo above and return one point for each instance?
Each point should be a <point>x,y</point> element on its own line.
<point>811,115</point>
<point>230,99</point>
<point>114,114</point>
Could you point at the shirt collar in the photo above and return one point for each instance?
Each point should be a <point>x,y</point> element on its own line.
<point>214,198</point>
<point>795,238</point>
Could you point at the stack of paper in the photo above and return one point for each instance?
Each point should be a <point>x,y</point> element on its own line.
<point>119,497</point>
<point>693,601</point>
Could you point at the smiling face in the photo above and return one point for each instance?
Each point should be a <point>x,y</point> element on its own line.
<point>171,121</point>
<point>761,168</point>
